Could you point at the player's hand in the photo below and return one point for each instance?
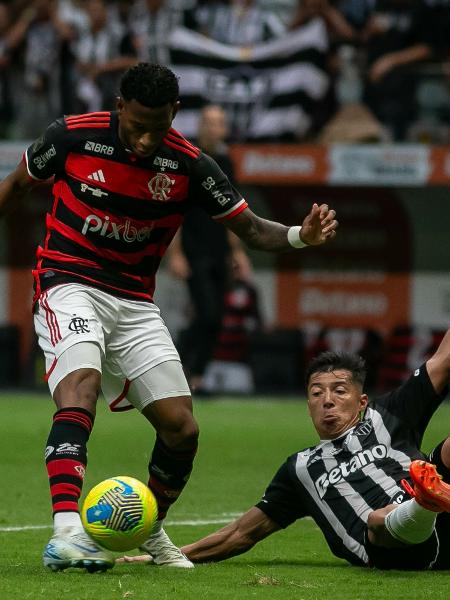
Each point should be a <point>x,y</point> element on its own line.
<point>140,558</point>
<point>319,226</point>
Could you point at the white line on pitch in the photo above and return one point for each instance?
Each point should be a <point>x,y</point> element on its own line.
<point>190,522</point>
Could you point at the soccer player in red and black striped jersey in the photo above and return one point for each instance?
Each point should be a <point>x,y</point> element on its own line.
<point>122,182</point>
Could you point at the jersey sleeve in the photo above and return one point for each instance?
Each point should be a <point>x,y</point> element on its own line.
<point>211,190</point>
<point>46,156</point>
<point>414,402</point>
<point>280,502</point>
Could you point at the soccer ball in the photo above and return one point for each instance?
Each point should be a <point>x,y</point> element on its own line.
<point>119,513</point>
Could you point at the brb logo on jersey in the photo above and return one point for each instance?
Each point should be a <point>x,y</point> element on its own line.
<point>344,469</point>
<point>165,163</point>
<point>99,148</point>
<point>160,186</point>
<point>125,232</point>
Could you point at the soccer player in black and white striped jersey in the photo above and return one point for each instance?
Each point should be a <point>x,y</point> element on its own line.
<point>367,484</point>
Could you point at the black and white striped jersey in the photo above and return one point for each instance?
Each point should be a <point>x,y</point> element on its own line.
<point>339,482</point>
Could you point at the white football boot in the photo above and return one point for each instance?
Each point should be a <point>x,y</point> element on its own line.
<point>164,552</point>
<point>72,547</point>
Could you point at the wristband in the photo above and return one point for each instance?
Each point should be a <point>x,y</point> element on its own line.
<point>293,236</point>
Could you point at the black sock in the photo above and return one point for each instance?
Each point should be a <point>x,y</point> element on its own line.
<point>66,456</point>
<point>169,472</point>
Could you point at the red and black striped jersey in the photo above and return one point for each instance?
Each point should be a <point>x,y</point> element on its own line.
<point>113,213</point>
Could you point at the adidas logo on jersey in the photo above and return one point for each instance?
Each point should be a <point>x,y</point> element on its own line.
<point>99,148</point>
<point>97,176</point>
<point>344,469</point>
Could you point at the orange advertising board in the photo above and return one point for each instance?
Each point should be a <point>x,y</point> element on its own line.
<point>378,301</point>
<point>342,164</point>
<point>360,279</point>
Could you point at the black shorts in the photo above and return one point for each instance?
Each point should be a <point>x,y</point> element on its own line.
<point>433,553</point>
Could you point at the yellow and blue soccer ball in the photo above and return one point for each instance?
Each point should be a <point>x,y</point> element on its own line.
<point>119,513</point>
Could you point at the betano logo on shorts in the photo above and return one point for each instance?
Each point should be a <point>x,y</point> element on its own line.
<point>344,469</point>
<point>120,231</point>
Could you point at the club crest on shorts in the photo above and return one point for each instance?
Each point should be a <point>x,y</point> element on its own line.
<point>79,325</point>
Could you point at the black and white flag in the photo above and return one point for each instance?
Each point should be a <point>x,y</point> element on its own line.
<point>269,91</point>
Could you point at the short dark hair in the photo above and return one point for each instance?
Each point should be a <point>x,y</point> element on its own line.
<point>326,362</point>
<point>150,84</point>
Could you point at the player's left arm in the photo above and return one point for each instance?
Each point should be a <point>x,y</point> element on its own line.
<point>212,190</point>
<point>438,366</point>
<point>318,227</point>
<point>233,539</point>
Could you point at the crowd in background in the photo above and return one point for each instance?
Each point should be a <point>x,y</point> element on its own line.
<point>65,56</point>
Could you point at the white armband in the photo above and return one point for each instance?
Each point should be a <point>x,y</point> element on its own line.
<point>293,236</point>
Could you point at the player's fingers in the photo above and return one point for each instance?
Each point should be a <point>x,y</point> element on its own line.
<point>143,558</point>
<point>323,208</point>
<point>328,217</point>
<point>331,227</point>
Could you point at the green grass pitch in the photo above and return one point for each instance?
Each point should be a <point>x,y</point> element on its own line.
<point>242,442</point>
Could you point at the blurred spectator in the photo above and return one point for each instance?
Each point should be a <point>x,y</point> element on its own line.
<point>356,12</point>
<point>73,14</point>
<point>398,37</point>
<point>283,8</point>
<point>338,31</point>
<point>237,22</point>
<point>406,347</point>
<point>151,23</point>
<point>202,255</point>
<point>338,27</point>
<point>102,52</point>
<point>229,371</point>
<point>440,11</point>
<point>6,104</point>
<point>353,122</point>
<point>42,33</point>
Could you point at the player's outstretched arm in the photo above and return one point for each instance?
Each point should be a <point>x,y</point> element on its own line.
<point>438,366</point>
<point>318,227</point>
<point>233,539</point>
<point>16,185</point>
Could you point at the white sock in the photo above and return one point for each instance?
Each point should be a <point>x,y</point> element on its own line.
<point>157,527</point>
<point>410,523</point>
<point>67,519</point>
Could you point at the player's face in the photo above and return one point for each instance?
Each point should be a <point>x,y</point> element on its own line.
<point>142,129</point>
<point>334,403</point>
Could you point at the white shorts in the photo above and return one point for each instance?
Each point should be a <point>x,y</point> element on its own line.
<point>125,340</point>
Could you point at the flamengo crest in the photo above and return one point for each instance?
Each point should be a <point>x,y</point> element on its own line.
<point>160,186</point>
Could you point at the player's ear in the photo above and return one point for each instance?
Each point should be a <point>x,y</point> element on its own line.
<point>363,401</point>
<point>176,108</point>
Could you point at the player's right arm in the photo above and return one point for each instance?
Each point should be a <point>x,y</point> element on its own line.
<point>43,159</point>
<point>14,187</point>
<point>233,539</point>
